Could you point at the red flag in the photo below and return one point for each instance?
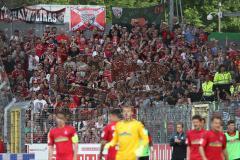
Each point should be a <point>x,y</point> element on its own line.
<point>87,18</point>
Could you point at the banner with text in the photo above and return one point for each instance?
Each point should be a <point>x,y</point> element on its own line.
<point>137,16</point>
<point>31,15</point>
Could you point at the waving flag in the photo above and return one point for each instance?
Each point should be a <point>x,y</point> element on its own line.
<point>87,17</point>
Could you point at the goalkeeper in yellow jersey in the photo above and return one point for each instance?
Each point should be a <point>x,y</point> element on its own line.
<point>127,136</point>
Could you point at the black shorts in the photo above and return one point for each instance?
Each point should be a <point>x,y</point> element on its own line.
<point>143,158</point>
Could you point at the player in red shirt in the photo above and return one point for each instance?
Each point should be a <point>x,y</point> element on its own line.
<point>107,134</point>
<point>213,144</point>
<point>64,138</point>
<point>193,139</point>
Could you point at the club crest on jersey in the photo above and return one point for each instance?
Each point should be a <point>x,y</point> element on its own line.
<point>65,132</point>
<point>221,138</point>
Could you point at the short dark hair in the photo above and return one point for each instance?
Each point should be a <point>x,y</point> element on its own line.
<point>231,122</point>
<point>198,117</point>
<point>180,123</point>
<point>116,112</point>
<point>216,117</point>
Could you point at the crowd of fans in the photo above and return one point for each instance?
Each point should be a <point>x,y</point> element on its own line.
<point>143,65</point>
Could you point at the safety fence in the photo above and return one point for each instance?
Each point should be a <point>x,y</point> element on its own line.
<point>88,123</point>
<point>161,120</point>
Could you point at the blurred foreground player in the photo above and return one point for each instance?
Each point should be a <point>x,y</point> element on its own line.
<point>194,138</point>
<point>128,134</point>
<point>213,144</point>
<point>107,134</point>
<point>64,138</point>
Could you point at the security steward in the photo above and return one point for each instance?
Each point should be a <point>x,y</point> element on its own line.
<point>207,88</point>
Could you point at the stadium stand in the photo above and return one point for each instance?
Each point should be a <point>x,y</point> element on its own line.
<point>86,76</point>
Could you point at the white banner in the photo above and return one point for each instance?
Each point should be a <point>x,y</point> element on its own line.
<point>88,148</point>
<point>40,151</point>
